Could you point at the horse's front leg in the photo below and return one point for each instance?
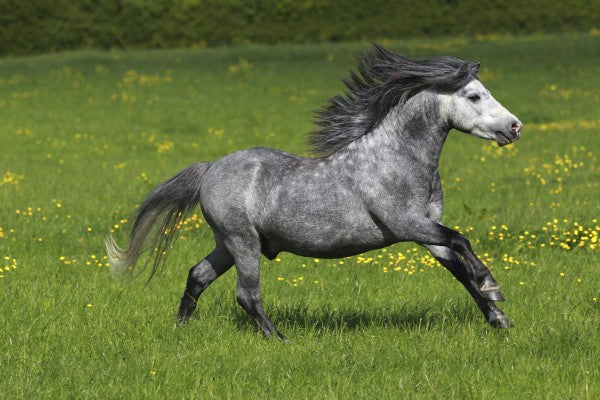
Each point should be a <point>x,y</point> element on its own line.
<point>480,272</point>
<point>454,252</point>
<point>455,265</point>
<point>486,283</point>
<point>427,232</point>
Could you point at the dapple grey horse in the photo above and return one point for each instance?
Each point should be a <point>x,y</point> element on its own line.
<point>373,182</point>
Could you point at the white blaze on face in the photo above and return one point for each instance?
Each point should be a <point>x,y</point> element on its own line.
<point>474,110</point>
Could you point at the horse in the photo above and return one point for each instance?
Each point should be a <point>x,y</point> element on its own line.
<point>371,181</point>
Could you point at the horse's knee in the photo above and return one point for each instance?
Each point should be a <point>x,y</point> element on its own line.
<point>460,244</point>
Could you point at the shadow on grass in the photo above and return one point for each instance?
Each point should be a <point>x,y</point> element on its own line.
<point>325,319</point>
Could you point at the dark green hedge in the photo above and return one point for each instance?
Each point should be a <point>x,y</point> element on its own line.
<point>33,26</point>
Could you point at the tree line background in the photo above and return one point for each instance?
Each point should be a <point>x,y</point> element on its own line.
<point>35,26</point>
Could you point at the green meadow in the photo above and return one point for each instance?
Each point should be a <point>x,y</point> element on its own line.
<point>85,135</point>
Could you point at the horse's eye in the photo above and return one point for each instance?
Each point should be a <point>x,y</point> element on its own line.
<point>474,98</point>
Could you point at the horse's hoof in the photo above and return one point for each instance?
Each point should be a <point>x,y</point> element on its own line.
<point>274,334</point>
<point>500,322</point>
<point>489,285</point>
<point>184,314</point>
<point>494,295</point>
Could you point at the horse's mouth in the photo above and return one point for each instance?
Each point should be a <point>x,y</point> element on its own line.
<point>506,138</point>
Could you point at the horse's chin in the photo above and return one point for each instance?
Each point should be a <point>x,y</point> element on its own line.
<point>502,142</point>
<point>502,139</point>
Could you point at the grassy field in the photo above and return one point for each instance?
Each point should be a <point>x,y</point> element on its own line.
<point>86,135</point>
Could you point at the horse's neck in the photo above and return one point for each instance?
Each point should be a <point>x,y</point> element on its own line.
<point>411,134</point>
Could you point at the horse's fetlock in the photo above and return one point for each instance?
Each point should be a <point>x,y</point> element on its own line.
<point>243,301</point>
<point>482,275</point>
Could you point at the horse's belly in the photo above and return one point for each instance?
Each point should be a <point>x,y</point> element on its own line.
<point>325,237</point>
<point>338,250</point>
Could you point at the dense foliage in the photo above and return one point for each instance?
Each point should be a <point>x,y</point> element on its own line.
<point>35,26</point>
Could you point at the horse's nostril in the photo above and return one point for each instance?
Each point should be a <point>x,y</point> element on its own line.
<point>516,127</point>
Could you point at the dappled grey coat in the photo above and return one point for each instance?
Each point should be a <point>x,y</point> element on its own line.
<point>373,182</point>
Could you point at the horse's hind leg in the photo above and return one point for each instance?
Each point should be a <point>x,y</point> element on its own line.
<point>200,276</point>
<point>456,266</point>
<point>246,253</point>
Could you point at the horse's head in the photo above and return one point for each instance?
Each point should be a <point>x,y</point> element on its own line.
<point>473,110</point>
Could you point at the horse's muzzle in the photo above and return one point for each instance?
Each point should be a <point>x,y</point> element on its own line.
<point>514,133</point>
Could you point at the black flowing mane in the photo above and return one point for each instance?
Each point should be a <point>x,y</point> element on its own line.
<point>383,80</point>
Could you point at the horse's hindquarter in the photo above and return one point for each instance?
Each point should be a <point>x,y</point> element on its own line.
<point>233,190</point>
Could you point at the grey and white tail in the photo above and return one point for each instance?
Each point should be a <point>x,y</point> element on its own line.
<point>156,221</point>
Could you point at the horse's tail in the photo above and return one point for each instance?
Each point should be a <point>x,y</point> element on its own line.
<point>157,220</point>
